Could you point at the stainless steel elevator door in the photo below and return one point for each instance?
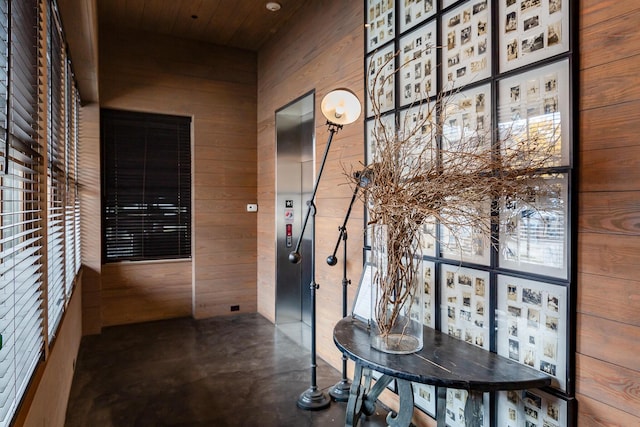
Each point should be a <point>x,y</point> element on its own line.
<point>294,185</point>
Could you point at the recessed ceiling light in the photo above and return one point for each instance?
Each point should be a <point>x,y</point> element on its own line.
<point>273,6</point>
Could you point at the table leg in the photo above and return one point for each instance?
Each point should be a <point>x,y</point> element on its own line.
<point>441,411</point>
<point>405,411</point>
<point>356,393</point>
<point>363,397</point>
<point>473,409</point>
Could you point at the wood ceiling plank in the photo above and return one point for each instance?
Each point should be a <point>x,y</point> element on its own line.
<point>244,24</point>
<point>159,15</point>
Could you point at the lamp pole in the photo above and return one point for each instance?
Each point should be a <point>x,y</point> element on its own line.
<point>340,107</point>
<point>313,398</point>
<point>340,391</point>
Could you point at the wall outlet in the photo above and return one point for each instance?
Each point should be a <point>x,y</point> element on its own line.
<point>235,308</point>
<point>252,207</point>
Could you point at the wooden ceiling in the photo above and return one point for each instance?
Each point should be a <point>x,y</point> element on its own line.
<point>243,24</point>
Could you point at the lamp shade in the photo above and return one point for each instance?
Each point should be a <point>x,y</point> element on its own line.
<point>341,106</point>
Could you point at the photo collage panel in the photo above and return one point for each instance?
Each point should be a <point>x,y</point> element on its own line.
<point>429,283</point>
<point>466,36</point>
<point>382,129</point>
<point>532,30</point>
<point>380,24</point>
<point>381,78</point>
<point>465,304</point>
<point>535,232</point>
<point>532,326</point>
<point>533,109</point>
<point>418,65</point>
<point>531,408</point>
<point>465,241</point>
<point>416,127</point>
<point>413,12</point>
<point>466,124</point>
<point>456,401</point>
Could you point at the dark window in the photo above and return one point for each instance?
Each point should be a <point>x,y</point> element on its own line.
<point>146,181</point>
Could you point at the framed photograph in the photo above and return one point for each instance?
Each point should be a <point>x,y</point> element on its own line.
<point>531,320</point>
<point>380,129</point>
<point>466,123</point>
<point>531,408</point>
<point>466,39</point>
<point>380,23</point>
<point>429,283</point>
<point>534,236</point>
<point>429,237</point>
<point>534,108</point>
<point>532,30</point>
<point>462,240</point>
<point>424,398</point>
<point>418,126</point>
<point>465,297</point>
<point>456,400</point>
<point>362,302</point>
<point>417,68</point>
<point>381,78</point>
<point>414,12</point>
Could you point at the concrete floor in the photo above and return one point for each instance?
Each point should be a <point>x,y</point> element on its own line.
<point>230,371</point>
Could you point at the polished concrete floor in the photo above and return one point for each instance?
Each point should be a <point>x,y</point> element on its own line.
<point>231,371</point>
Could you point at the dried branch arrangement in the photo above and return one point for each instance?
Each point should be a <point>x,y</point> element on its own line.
<point>430,170</point>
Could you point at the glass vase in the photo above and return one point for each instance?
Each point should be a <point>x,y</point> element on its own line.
<point>397,294</point>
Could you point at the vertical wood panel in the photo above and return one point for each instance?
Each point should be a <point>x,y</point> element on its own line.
<point>612,40</point>
<point>622,301</point>
<point>593,413</point>
<point>608,335</point>
<point>91,224</point>
<point>610,341</point>
<point>216,86</point>
<point>142,292</point>
<point>46,400</point>
<point>594,12</point>
<point>617,387</point>
<point>327,38</point>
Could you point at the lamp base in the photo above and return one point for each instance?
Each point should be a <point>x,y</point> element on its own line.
<point>313,400</point>
<point>340,391</point>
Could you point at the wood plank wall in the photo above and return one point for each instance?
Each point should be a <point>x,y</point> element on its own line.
<point>321,50</point>
<point>327,40</point>
<point>608,340</point>
<point>91,224</point>
<point>45,403</point>
<point>215,86</point>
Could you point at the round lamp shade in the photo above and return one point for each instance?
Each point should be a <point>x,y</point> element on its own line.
<point>341,106</point>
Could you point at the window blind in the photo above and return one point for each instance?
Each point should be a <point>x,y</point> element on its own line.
<point>56,68</point>
<point>21,320</point>
<point>72,205</point>
<point>146,186</point>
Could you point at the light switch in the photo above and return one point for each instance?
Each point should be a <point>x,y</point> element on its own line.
<point>252,207</point>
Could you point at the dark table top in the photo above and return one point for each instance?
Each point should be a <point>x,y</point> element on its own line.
<point>443,361</point>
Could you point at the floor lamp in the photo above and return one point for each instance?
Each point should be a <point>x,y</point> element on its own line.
<point>340,107</point>
<point>340,391</point>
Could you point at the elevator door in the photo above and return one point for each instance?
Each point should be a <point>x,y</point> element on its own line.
<point>294,185</point>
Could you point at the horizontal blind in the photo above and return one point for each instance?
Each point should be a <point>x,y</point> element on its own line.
<point>55,169</point>
<point>21,320</point>
<point>146,186</point>
<point>70,182</point>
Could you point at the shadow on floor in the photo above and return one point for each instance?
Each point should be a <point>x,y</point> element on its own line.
<point>228,371</point>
